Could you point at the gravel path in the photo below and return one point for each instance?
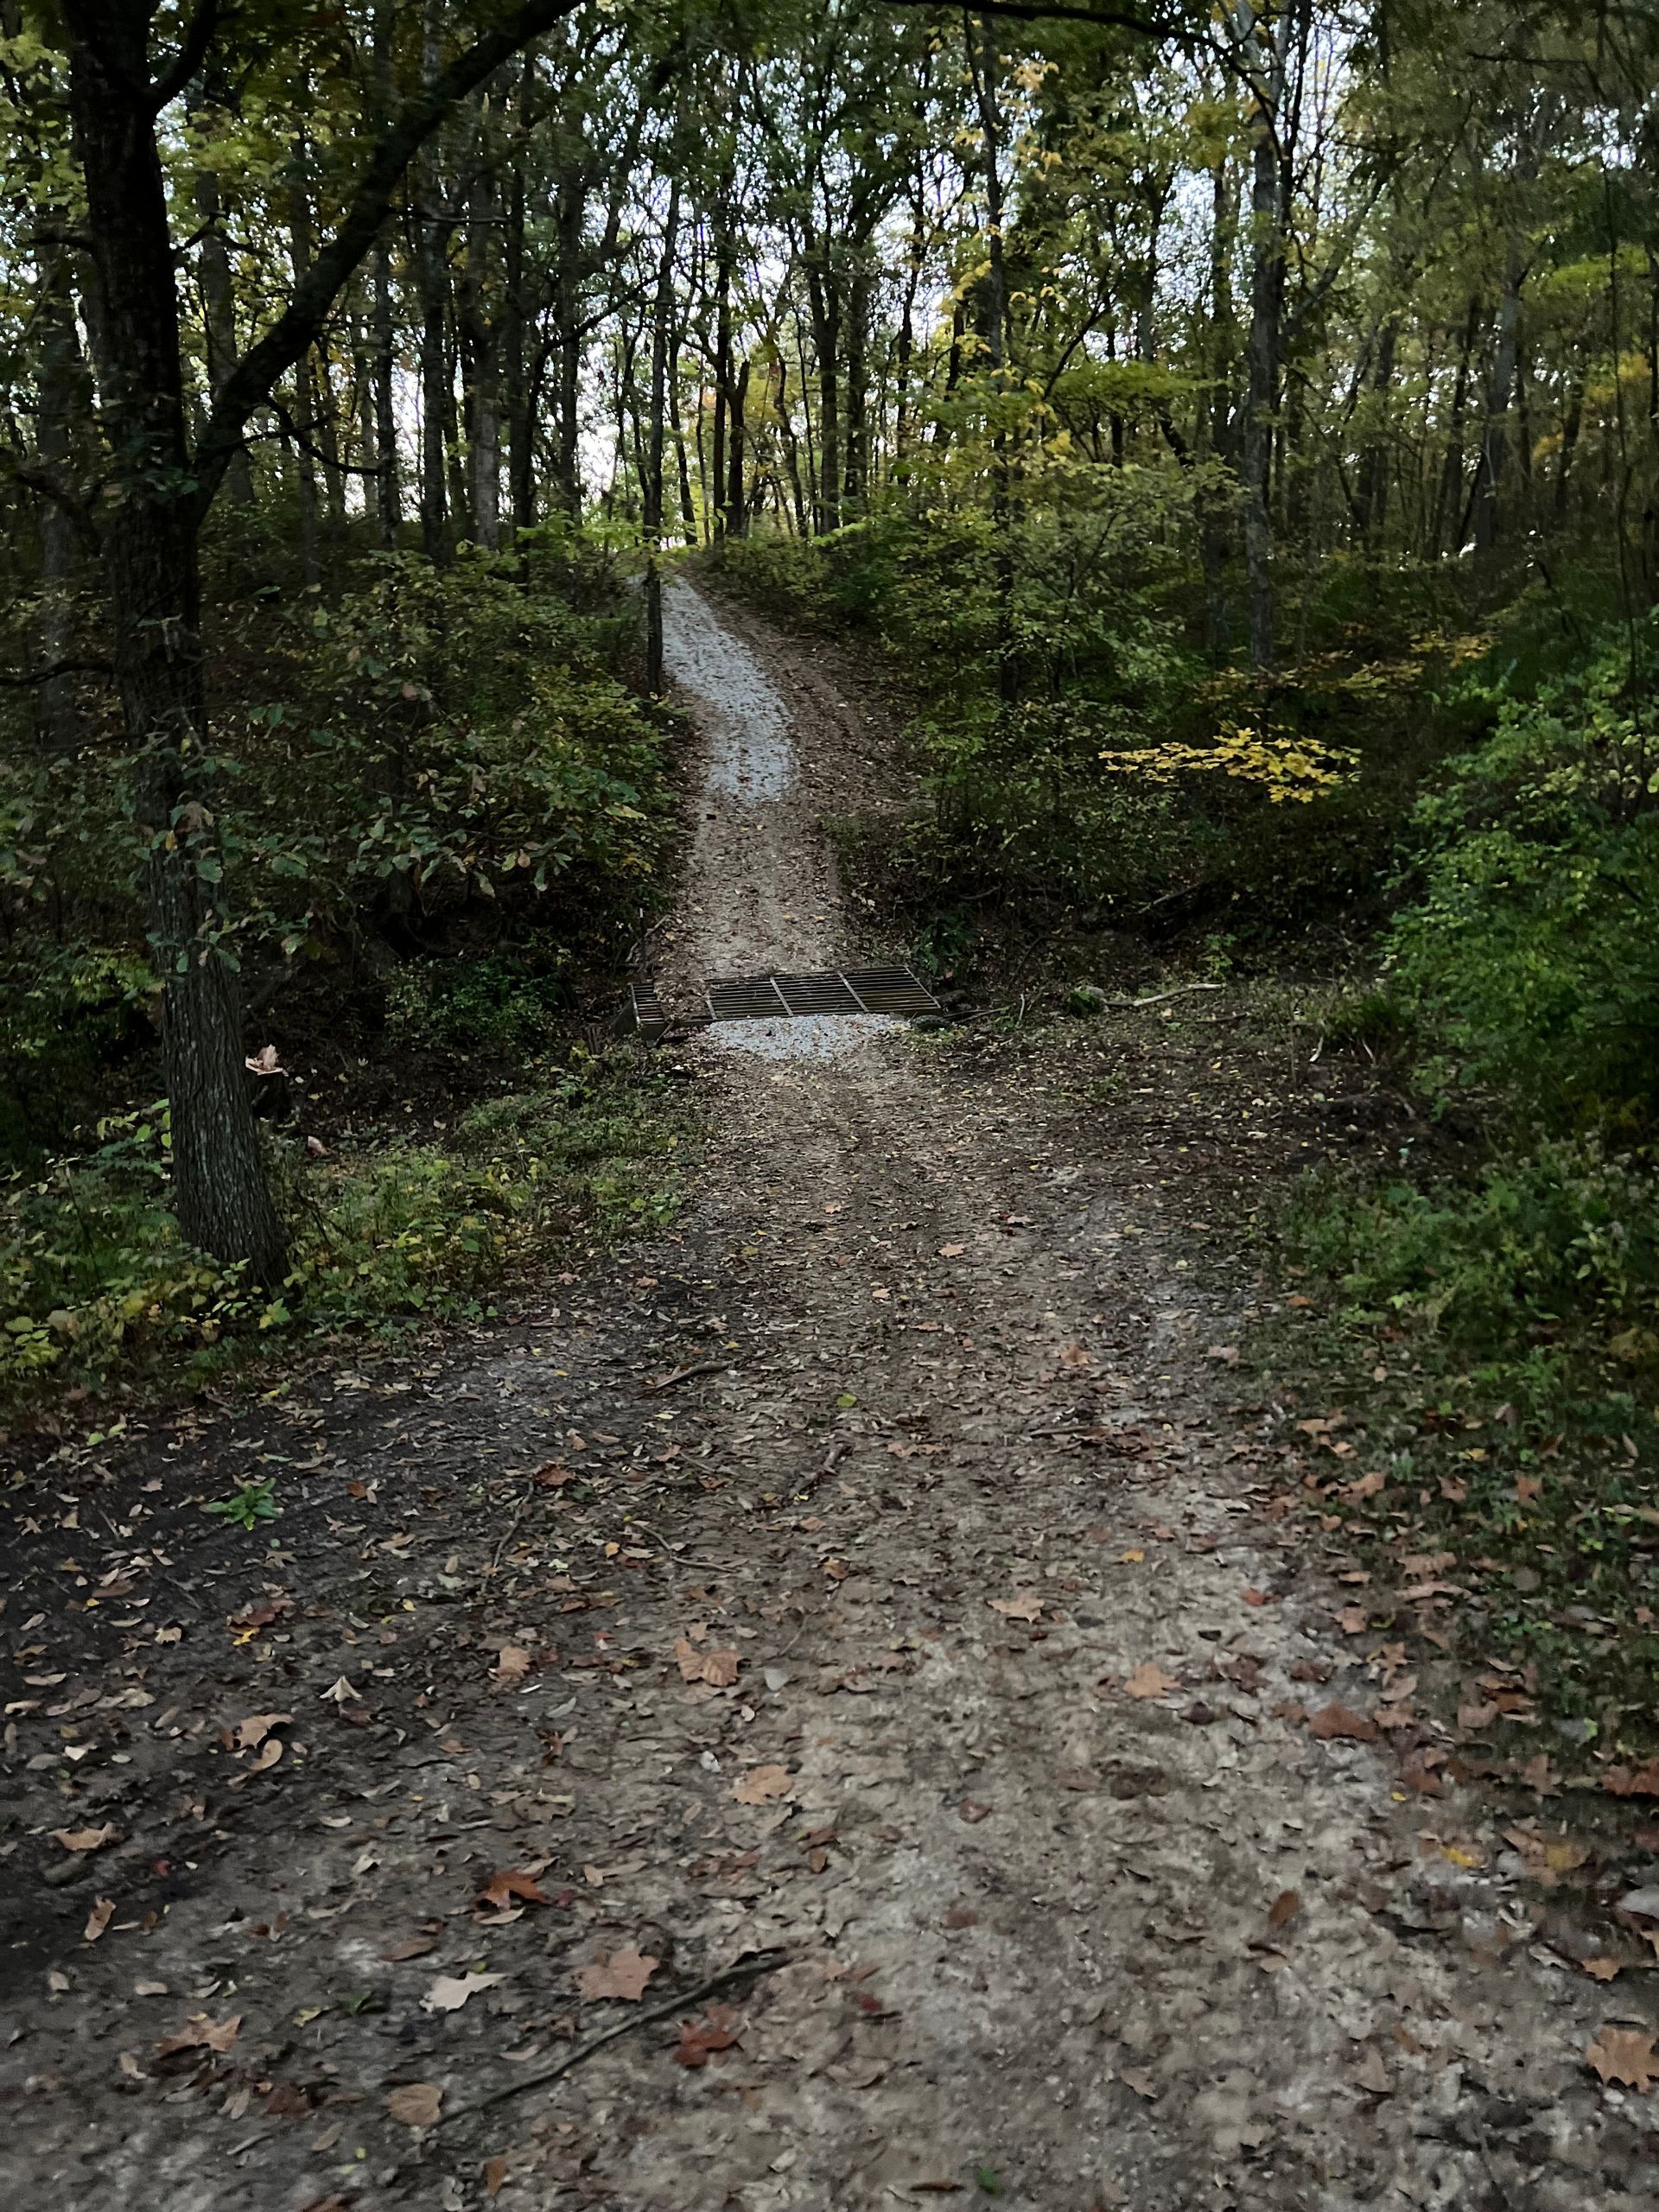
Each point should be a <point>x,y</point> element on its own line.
<point>878,1576</point>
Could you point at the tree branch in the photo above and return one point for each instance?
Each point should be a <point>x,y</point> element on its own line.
<point>251,382</point>
<point>198,37</point>
<point>11,682</point>
<point>1042,11</point>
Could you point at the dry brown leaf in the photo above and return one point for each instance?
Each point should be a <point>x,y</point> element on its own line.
<point>416,2103</point>
<point>269,1752</point>
<point>1074,1357</point>
<point>624,1973</point>
<point>84,1839</point>
<point>502,1889</point>
<point>1149,1680</point>
<point>98,1918</point>
<point>1625,2056</point>
<point>407,1946</point>
<point>716,2031</point>
<point>1027,1607</point>
<point>1284,1907</point>
<point>718,1668</point>
<point>253,1731</point>
<point>1338,1720</point>
<point>1602,1969</point>
<point>762,1783</point>
<point>199,2033</point>
<point>495,2176</point>
<point>511,1665</point>
<point>1632,1782</point>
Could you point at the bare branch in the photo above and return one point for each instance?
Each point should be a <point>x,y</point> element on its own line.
<point>198,37</point>
<point>251,382</point>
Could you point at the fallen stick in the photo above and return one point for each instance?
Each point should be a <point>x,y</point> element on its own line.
<point>684,1374</point>
<point>1158,997</point>
<point>758,1962</point>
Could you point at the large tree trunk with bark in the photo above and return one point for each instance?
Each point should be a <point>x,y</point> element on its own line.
<point>221,1193</point>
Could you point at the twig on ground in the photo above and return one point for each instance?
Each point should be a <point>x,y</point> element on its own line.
<point>758,1962</point>
<point>686,1374</point>
<point>1158,997</point>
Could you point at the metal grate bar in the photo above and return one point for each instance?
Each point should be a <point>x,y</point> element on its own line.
<point>832,990</point>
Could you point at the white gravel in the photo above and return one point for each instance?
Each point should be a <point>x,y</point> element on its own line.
<point>800,1037</point>
<point>750,755</point>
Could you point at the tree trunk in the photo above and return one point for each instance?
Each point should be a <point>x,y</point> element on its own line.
<point>855,483</point>
<point>220,1190</point>
<point>984,67</point>
<point>1262,354</point>
<point>219,318</point>
<point>653,489</point>
<point>480,335</point>
<point>737,511</point>
<point>61,431</point>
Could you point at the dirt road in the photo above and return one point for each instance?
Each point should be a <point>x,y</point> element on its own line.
<point>879,1582</point>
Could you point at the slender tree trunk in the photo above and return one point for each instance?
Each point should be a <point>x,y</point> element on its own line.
<point>61,431</point>
<point>724,257</point>
<point>984,66</point>
<point>153,589</point>
<point>567,294</point>
<point>737,511</point>
<point>480,336</point>
<point>652,488</point>
<point>432,273</point>
<point>823,297</point>
<point>305,410</point>
<point>219,317</point>
<point>856,480</point>
<point>1261,355</point>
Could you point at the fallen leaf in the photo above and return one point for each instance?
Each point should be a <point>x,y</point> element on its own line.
<point>1372,2074</point>
<point>717,2030</point>
<point>1027,1607</point>
<point>199,2033</point>
<point>408,1946</point>
<point>1149,1680</point>
<point>501,1889</point>
<point>98,1918</point>
<point>1602,1969</point>
<point>1627,1782</point>
<point>416,2103</point>
<point>1337,1720</point>
<point>762,1783</point>
<point>973,1812</point>
<point>1227,1354</point>
<point>1625,2056</point>
<point>495,2176</point>
<point>450,1991</point>
<point>253,1731</point>
<point>624,1973</point>
<point>84,1839</point>
<point>1074,1357</point>
<point>1284,1907</point>
<point>511,1665</point>
<point>719,1669</point>
<point>951,1251</point>
<point>340,1691</point>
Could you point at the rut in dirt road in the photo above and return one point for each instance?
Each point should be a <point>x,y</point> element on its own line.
<point>887,1585</point>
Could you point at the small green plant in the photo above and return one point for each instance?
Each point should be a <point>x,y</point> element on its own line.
<point>247,1507</point>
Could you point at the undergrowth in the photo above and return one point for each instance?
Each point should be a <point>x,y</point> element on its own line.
<point>98,1288</point>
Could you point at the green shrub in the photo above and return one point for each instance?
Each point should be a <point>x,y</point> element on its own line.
<point>1543,1260</point>
<point>1530,955</point>
<point>95,1282</point>
<point>501,1003</point>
